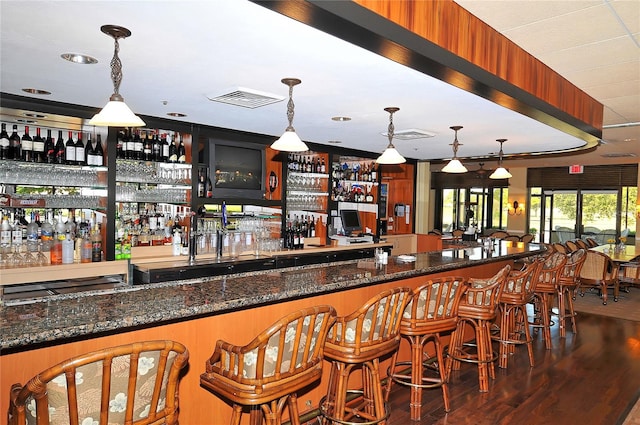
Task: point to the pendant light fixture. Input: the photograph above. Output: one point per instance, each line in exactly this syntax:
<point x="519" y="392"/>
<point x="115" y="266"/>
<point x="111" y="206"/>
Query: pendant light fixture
<point x="116" y="113"/>
<point x="390" y="154"/>
<point x="289" y="141"/>
<point x="455" y="166"/>
<point x="501" y="172"/>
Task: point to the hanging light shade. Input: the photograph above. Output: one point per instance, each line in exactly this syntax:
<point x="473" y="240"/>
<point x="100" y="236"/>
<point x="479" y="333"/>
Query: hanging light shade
<point x="455" y="166"/>
<point x="500" y="172"/>
<point x="289" y="141"/>
<point x="390" y="154"/>
<point x="116" y="113"/>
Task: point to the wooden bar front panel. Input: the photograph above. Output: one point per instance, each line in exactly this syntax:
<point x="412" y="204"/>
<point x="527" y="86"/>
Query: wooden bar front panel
<point x="197" y="405"/>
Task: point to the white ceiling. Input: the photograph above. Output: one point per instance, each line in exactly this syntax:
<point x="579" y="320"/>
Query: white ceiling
<point x="180" y="52"/>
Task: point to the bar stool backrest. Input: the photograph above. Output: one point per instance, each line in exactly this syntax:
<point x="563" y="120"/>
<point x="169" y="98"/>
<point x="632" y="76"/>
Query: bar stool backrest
<point x="438" y="299"/>
<point x="551" y="271"/>
<point x="376" y="322"/>
<point x="134" y="384"/>
<point x="522" y="283"/>
<point x="573" y="266"/>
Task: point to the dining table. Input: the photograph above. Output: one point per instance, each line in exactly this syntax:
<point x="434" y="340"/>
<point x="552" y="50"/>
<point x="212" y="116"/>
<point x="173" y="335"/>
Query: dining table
<point x="624" y="255"/>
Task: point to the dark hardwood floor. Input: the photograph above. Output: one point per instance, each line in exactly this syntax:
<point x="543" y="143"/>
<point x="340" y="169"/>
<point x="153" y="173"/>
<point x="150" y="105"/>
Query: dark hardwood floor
<point x="586" y="379"/>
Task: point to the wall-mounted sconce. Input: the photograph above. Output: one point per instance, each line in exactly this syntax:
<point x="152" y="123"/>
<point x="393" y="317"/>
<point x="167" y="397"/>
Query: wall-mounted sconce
<point x="515" y="209"/>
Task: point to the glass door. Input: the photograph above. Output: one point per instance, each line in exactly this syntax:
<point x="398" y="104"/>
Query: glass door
<point x="564" y="215"/>
<point x="598" y="215"/>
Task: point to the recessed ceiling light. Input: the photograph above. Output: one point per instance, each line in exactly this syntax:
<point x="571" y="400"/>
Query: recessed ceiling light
<point x="341" y="118"/>
<point x="79" y="58"/>
<point x="36" y="91"/>
<point x="176" y="114"/>
<point x="335" y="142"/>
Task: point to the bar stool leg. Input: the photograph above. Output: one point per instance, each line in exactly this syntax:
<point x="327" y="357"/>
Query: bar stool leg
<point x="236" y="415"/>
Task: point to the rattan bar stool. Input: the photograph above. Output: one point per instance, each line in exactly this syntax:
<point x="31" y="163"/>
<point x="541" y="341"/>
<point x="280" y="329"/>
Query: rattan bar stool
<point x="567" y="288"/>
<point x="266" y="373"/>
<point x="432" y="311"/>
<point x="478" y="309"/>
<point x="546" y="288"/>
<point x="128" y="384"/>
<point x="360" y="340"/>
<point x="514" y="323"/>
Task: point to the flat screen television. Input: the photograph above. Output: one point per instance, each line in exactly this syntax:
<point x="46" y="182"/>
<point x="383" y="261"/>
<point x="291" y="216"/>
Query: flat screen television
<point x="350" y="221"/>
<point x="237" y="169"/>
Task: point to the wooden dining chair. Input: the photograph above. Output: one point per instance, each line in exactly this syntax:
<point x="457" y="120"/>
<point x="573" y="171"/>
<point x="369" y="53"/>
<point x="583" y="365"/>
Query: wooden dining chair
<point x="527" y="238"/>
<point x="559" y="247"/>
<point x="629" y="274"/>
<point x="571" y="245"/>
<point x="133" y="384"/>
<point x="266" y="374"/>
<point x="601" y="272"/>
<point x="591" y="242"/>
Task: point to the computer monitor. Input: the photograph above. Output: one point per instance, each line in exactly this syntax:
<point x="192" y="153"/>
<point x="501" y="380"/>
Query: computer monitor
<point x="350" y="221"/>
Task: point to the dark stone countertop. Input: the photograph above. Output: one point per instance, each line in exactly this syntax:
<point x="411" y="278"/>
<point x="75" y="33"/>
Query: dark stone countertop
<point x="87" y="314"/>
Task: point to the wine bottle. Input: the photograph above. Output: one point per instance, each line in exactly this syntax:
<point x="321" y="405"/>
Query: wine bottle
<point x="15" y="149"/>
<point x="27" y="145"/>
<point x="146" y="147"/>
<point x="5" y="144"/>
<point x="127" y="145"/>
<point x="60" y="149"/>
<point x="173" y="152"/>
<point x="98" y="153"/>
<point x="120" y="145"/>
<point x="182" y="152"/>
<point x="96" y="244"/>
<point x="201" y="184"/>
<point x="156" y="155"/>
<point x="38" y="147"/>
<point x="80" y="151"/>
<point x="137" y="145"/>
<point x="164" y="148"/>
<point x="49" y="149"/>
<point x="208" y="193"/>
<point x="90" y="153"/>
<point x="70" y="150"/>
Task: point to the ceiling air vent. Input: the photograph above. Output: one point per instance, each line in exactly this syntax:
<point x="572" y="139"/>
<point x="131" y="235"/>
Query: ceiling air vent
<point x="410" y="134"/>
<point x="619" y="155"/>
<point x="246" y="98"/>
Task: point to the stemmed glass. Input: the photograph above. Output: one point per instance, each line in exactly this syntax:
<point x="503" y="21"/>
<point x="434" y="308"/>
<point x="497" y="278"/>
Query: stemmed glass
<point x="41" y="259"/>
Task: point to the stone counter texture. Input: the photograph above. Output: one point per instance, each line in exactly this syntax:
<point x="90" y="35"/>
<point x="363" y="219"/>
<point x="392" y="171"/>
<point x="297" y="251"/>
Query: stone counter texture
<point x="61" y="317"/>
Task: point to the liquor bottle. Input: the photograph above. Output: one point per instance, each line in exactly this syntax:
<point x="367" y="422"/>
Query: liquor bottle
<point x="5" y="144"/>
<point x="176" y="243"/>
<point x="96" y="244"/>
<point x="80" y="151"/>
<point x="182" y="152"/>
<point x="86" y="248"/>
<point x="27" y="145"/>
<point x="323" y="166"/>
<point x="49" y="149"/>
<point x="98" y="159"/>
<point x="147" y="147"/>
<point x="173" y="152"/>
<point x="5" y="233"/>
<point x="164" y="148"/>
<point x="38" y="147"/>
<point x="15" y="149"/>
<point x="374" y="172"/>
<point x="67" y="249"/>
<point x="70" y="150"/>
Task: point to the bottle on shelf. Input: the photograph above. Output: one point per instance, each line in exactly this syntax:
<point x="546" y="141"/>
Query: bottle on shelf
<point x="312" y="228"/>
<point x="147" y="147"/>
<point x="67" y="248"/>
<point x="127" y="145"/>
<point x="164" y="148"/>
<point x="90" y="152"/>
<point x="49" y="149"/>
<point x="176" y="243"/>
<point x="98" y="158"/>
<point x="201" y="183"/>
<point x="182" y="151"/>
<point x="60" y="150"/>
<point x="96" y="244"/>
<point x="15" y="150"/>
<point x="80" y="151"/>
<point x="33" y="229"/>
<point x="70" y="150"/>
<point x="6" y="232"/>
<point x="5" y="144"/>
<point x="38" y="147"/>
<point x="208" y="191"/>
<point x="173" y="151"/>
<point x="137" y="145"/>
<point x="27" y="145"/>
<point x="120" y="145"/>
<point x="156" y="146"/>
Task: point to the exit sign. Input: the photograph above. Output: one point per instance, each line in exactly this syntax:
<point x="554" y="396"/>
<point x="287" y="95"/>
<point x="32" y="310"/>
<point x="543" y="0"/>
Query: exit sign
<point x="576" y="169"/>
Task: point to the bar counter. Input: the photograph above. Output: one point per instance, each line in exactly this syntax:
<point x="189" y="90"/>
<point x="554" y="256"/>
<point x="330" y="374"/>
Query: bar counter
<point x="197" y="312"/>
